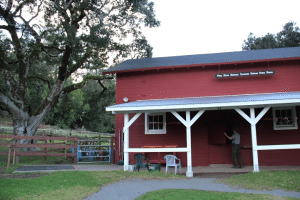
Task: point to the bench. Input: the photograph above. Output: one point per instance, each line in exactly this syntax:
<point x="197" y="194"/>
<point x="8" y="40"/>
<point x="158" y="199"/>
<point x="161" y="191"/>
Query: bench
<point x="159" y="159"/>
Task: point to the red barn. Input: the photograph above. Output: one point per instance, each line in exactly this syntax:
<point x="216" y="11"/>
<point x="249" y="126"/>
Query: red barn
<point x="184" y="104"/>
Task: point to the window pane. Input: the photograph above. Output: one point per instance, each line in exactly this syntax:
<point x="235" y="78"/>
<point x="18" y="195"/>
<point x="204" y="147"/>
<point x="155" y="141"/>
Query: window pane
<point x="290" y="120"/>
<point x="284" y="117"/>
<point x="155" y="124"/>
<point x="277" y="113"/>
<point x="150" y="118"/>
<point x="161" y="126"/>
<point x="161" y="118"/>
<point x="150" y="126"/>
<point x="156" y="118"/>
<point x="289" y="113"/>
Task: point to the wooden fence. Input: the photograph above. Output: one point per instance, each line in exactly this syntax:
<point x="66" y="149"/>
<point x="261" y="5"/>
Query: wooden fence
<point x="54" y="130"/>
<point x="46" y="152"/>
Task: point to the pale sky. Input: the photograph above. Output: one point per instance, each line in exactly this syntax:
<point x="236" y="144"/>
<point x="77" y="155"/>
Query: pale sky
<point x="212" y="26"/>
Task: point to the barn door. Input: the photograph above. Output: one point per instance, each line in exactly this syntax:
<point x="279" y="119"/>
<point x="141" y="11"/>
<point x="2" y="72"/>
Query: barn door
<point x="219" y="146"/>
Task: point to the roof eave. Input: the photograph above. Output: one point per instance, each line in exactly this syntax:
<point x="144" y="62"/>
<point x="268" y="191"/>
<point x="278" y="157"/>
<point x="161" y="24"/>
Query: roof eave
<point x="201" y="65"/>
<point x="213" y="106"/>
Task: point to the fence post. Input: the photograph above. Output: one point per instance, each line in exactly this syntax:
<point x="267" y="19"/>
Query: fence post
<point x="45" y="149"/>
<point x="66" y="143"/>
<point x="8" y="158"/>
<point x="17" y="150"/>
<point x="14" y="156"/>
<point x="111" y="148"/>
<point x="75" y="149"/>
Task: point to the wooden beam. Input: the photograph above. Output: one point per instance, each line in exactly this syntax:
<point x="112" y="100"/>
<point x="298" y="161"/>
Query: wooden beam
<point x="141" y="150"/>
<point x="128" y="124"/>
<point x="179" y="118"/>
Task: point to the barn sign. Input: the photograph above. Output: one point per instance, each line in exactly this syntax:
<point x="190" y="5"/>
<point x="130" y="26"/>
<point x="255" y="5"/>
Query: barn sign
<point x="245" y="74"/>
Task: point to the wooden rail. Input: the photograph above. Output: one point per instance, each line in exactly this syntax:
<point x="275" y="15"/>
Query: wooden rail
<point x="46" y="147"/>
<point x="159" y="158"/>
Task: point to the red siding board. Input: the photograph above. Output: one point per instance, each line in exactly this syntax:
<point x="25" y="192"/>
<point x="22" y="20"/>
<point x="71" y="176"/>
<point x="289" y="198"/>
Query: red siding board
<point x="179" y="83"/>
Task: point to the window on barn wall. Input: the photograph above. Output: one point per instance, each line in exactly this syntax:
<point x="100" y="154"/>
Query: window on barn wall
<point x="284" y="118"/>
<point x="155" y="123"/>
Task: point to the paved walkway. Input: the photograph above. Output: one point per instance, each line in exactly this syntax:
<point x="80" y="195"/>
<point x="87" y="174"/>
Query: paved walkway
<point x="131" y="189"/>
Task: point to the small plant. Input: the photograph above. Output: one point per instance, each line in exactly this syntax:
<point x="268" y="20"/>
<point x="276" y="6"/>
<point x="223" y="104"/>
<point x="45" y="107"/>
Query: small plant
<point x="154" y="167"/>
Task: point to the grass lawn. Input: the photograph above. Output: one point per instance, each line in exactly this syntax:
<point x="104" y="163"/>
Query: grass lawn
<point x="264" y="180"/>
<point x="284" y="180"/>
<point x="79" y="184"/>
<point x="183" y="194"/>
<point x="70" y="184"/>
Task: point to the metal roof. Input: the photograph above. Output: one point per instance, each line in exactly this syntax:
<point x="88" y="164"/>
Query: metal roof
<point x="206" y="59"/>
<point x="216" y="102"/>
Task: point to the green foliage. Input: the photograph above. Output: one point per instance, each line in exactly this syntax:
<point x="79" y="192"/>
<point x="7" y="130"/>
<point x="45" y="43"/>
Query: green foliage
<point x="288" y="37"/>
<point x="68" y="110"/>
<point x="285" y="180"/>
<point x="85" y="108"/>
<point x="97" y="119"/>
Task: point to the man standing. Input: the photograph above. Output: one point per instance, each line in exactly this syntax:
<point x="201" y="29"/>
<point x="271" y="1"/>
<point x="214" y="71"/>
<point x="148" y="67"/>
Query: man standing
<point x="236" y="148"/>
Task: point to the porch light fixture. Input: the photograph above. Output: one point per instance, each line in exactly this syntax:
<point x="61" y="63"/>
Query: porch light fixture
<point x="125" y="99"/>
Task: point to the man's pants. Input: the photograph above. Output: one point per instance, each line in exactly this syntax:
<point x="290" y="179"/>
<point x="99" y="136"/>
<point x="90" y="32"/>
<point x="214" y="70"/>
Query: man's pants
<point x="236" y="153"/>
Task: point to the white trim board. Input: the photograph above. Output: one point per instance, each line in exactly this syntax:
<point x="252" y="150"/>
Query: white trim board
<point x="220" y="106"/>
<point x="184" y="149"/>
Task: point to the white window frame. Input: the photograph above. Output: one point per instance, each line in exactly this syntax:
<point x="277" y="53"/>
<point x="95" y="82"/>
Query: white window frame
<point x="285" y="127"/>
<point x="161" y="131"/>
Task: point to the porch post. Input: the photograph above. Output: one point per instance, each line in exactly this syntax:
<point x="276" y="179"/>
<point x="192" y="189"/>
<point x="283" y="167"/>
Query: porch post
<point x="253" y="121"/>
<point x="189" y="172"/>
<point x="126" y="142"/>
<point x="127" y="124"/>
<point x="188" y="123"/>
<point x="254" y="141"/>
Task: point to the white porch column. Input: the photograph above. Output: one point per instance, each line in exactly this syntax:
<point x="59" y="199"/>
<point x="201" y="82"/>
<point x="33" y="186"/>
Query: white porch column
<point x="126" y="142"/>
<point x="254" y="141"/>
<point x="127" y="124"/>
<point x="253" y="121"/>
<point x="188" y="123"/>
<point x="189" y="172"/>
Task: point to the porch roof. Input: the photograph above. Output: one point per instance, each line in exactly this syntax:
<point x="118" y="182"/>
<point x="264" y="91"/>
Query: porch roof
<point x="209" y="103"/>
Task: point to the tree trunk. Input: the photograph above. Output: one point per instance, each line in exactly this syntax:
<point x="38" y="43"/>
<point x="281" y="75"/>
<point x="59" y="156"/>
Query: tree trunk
<point x="23" y="125"/>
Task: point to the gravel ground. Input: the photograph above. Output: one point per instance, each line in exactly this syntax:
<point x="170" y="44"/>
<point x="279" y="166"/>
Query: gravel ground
<point x="131" y="189"/>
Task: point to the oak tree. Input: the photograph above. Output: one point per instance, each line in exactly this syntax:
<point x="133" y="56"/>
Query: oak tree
<point x="52" y="41"/>
<point x="288" y="37"/>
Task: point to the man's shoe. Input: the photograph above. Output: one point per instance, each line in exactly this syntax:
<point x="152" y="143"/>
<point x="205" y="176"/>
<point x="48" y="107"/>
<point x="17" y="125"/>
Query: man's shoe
<point x="241" y="166"/>
<point x="235" y="167"/>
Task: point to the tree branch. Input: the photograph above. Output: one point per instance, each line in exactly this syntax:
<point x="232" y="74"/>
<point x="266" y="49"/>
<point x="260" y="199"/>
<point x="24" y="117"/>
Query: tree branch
<point x="79" y="63"/>
<point x="51" y="99"/>
<point x="8" y="28"/>
<point x="73" y="87"/>
<point x="6" y="72"/>
<point x="103" y="87"/>
<point x="64" y="63"/>
<point x="8" y="104"/>
<point x="9" y="4"/>
<point x="23" y="67"/>
<point x="40" y="78"/>
<point x="20" y="6"/>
